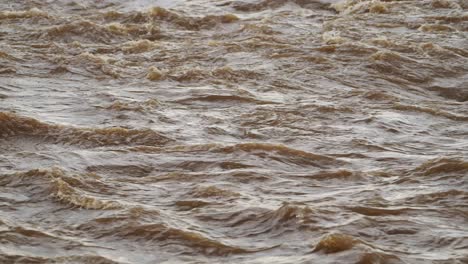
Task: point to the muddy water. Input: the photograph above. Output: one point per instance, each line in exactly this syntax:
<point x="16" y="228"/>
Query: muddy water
<point x="211" y="131"/>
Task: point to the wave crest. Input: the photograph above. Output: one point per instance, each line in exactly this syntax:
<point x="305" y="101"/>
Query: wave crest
<point x="76" y="191"/>
<point x="12" y="125"/>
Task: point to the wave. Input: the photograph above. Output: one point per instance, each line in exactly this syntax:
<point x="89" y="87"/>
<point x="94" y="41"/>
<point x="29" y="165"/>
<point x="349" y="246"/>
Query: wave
<point x="276" y="152"/>
<point x="225" y="99"/>
<point x="287" y="214"/>
<point x="251" y="222"/>
<point x="134" y="106"/>
<point x="436" y="28"/>
<point x="191" y="204"/>
<point x="336" y="242"/>
<point x="445" y="4"/>
<point x="192" y="23"/>
<point x="361" y="6"/>
<point x="168" y="235"/>
<point x="403" y="70"/>
<point x="437" y="169"/>
<point x="82" y="30"/>
<point x="4" y="55"/>
<point x="455" y="18"/>
<point x="139" y="46"/>
<point x="82" y="191"/>
<point x="274" y="4"/>
<point x="379" y="257"/>
<point x="437" y="51"/>
<point x="373" y="211"/>
<point x="184" y="74"/>
<point x="212" y="191"/>
<point x="442" y="166"/>
<point x="31" y="13"/>
<point x="146" y="31"/>
<point x="455" y="93"/>
<point x="360" y="251"/>
<point x="453" y="198"/>
<point x="86" y="31"/>
<point x="342" y="175"/>
<point x="145" y="227"/>
<point x="430" y="111"/>
<point x="27" y="259"/>
<point x="12" y="125"/>
<point x="29" y="237"/>
<point x="290" y="154"/>
<point x="118" y="170"/>
<point x="154" y="74"/>
<point x="179" y="20"/>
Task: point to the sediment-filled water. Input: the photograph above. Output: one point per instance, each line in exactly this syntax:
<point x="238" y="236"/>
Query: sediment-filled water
<point x="262" y="131"/>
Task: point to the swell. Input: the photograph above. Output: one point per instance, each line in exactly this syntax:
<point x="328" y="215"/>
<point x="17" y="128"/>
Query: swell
<point x="14" y="126"/>
<point x="82" y="191"/>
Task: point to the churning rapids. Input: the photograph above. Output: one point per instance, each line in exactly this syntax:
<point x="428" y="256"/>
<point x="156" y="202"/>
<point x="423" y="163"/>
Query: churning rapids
<point x="250" y="131"/>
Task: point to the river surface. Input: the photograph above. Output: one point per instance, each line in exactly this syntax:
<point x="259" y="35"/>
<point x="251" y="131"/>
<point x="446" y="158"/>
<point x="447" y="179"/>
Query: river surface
<point x="261" y="131"/>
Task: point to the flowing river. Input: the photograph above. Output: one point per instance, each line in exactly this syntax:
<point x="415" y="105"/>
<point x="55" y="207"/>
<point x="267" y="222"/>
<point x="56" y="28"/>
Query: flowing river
<point x="250" y="131"/>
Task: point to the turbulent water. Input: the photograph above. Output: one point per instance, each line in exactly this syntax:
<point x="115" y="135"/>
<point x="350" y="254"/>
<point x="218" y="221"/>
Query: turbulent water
<point x="215" y="131"/>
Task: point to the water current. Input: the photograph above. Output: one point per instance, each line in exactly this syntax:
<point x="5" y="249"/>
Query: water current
<point x="216" y="131"/>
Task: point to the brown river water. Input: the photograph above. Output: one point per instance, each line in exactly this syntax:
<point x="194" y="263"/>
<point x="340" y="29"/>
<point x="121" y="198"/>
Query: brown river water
<point x="250" y="131"/>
